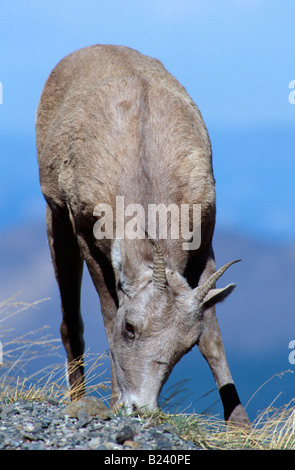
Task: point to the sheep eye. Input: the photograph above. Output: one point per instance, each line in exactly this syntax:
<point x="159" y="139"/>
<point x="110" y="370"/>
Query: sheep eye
<point x="129" y="328"/>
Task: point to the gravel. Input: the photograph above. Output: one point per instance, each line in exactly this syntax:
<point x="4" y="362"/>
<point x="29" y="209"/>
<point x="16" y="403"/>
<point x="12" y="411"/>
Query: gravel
<point x="46" y="426"/>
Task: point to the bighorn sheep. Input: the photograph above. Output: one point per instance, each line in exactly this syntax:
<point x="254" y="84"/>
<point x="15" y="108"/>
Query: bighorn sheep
<point x="112" y="122"/>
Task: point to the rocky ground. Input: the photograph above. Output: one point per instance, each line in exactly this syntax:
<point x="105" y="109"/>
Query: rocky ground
<point x="84" y="426"/>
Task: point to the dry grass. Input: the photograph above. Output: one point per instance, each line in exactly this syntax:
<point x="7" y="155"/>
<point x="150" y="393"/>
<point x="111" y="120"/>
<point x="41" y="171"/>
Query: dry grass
<point x="52" y="383"/>
<point x="273" y="429"/>
<point x="19" y="352"/>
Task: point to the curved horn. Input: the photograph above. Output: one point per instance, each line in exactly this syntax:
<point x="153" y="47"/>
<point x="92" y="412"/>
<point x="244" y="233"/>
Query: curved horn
<point x="204" y="289"/>
<point x="159" y="272"/>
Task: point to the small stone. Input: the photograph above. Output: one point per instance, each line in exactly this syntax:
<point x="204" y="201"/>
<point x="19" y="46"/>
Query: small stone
<point x="112" y="446"/>
<point x="29" y="427"/>
<point x="94" y="443"/>
<point x="13" y="411"/>
<point x="91" y="405"/>
<point x="84" y="418"/>
<point x="168" y="428"/>
<point x="131" y="445"/>
<point x="52" y="401"/>
<point x="45" y="423"/>
<point x="35" y="446"/>
<point x="126" y="434"/>
<point x="30" y="436"/>
<point x="28" y="407"/>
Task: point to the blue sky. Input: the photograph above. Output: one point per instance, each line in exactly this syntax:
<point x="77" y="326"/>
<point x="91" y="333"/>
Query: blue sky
<point x="236" y="59"/>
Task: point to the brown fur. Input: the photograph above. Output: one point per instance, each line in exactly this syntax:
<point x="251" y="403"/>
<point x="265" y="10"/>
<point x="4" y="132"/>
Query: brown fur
<point x="114" y="122"/>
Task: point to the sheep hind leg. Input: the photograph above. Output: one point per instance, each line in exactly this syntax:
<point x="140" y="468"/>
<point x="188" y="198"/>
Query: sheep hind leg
<point x="68" y="266"/>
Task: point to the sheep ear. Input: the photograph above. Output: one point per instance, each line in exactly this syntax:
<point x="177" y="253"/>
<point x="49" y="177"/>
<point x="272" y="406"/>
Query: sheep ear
<point x="217" y="295"/>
